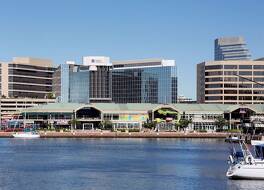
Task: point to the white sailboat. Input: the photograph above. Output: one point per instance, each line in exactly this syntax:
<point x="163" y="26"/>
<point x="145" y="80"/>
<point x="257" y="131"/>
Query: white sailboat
<point x="245" y="165"/>
<point x="27" y="133"/>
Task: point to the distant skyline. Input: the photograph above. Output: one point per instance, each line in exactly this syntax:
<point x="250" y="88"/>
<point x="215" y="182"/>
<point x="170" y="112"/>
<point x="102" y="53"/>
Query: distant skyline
<point x="121" y="29"/>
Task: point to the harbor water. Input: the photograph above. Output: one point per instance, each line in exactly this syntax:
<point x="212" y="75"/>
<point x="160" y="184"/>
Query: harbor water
<point x="116" y="164"/>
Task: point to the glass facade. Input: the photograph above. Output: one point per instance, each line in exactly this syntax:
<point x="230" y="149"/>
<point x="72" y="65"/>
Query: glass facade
<point x="145" y="85"/>
<point x="65" y="74"/>
<point x="231" y="48"/>
<point x="79" y="87"/>
<point x="79" y="84"/>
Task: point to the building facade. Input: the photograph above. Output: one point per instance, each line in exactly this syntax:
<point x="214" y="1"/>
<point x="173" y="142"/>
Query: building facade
<point x="134" y="115"/>
<point x="26" y="77"/>
<point x="144" y="81"/>
<point x="231" y="48"/>
<point x="230" y="82"/>
<point x="89" y="82"/>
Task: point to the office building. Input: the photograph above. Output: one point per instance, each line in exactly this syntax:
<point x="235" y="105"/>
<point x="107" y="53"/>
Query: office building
<point x="26" y="77"/>
<point x="144" y="81"/>
<point x="231" y="48"/>
<point x="230" y="82"/>
<point x="84" y="83"/>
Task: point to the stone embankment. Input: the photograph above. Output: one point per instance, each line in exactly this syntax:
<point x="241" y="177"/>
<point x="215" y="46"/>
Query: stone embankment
<point x="104" y="134"/>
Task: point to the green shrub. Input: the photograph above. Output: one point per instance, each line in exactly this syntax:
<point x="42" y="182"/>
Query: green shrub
<point x="133" y="130"/>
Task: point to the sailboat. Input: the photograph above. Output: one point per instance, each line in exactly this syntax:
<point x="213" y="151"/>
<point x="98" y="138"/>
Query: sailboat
<point x="27" y="132"/>
<point x="244" y="165"/>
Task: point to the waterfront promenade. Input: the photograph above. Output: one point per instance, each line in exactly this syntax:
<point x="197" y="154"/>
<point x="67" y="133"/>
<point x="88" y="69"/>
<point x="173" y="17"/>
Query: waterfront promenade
<point x="106" y="134"/>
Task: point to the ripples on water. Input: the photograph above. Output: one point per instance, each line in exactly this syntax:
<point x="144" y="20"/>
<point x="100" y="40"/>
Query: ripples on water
<point x="103" y="164"/>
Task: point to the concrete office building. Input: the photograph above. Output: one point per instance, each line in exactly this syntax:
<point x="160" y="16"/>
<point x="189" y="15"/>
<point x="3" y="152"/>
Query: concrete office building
<point x="231" y="48"/>
<point x="26" y="77"/>
<point x="229" y="82"/>
<point x="88" y="82"/>
<point x="144" y="81"/>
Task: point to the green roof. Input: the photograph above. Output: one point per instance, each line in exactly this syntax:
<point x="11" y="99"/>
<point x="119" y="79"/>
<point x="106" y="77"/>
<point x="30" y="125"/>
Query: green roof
<point x="55" y="107"/>
<point x="142" y="107"/>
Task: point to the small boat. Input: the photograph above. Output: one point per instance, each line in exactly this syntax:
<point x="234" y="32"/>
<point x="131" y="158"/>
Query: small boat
<point x="244" y="164"/>
<point x="27" y="133"/>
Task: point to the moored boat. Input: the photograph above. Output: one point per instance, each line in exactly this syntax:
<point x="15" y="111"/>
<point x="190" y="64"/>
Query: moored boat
<point x="26" y="135"/>
<point x="247" y="165"/>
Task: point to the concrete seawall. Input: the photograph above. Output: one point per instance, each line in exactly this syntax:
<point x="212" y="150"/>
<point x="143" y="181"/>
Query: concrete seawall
<point x="122" y="135"/>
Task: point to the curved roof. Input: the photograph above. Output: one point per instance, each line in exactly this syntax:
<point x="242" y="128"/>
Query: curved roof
<point x="142" y="107"/>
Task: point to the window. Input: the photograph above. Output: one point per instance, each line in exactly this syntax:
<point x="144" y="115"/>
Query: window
<point x="245" y="92"/>
<point x="245" y="66"/>
<point x="230" y="78"/>
<point x="213" y="67"/>
<point x="230" y="91"/>
<point x="230" y="73"/>
<point x="213" y="92"/>
<point x="245" y="97"/>
<point x="213" y="98"/>
<point x="214" y="73"/>
<point x="258" y="66"/>
<point x="245" y="73"/>
<point x="213" y="86"/>
<point x="230" y="85"/>
<point x="230" y="98"/>
<point x="213" y="79"/>
<point x="230" y="66"/>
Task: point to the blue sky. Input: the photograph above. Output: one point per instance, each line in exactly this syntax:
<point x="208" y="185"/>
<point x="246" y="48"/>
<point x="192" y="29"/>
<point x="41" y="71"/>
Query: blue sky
<point x="129" y="29"/>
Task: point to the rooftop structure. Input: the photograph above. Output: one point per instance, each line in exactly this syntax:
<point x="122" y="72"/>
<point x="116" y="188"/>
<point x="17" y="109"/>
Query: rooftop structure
<point x="231" y="48"/>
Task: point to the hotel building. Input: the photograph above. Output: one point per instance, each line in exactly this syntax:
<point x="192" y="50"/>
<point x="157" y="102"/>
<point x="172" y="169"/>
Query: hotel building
<point x="85" y="83"/>
<point x="99" y="80"/>
<point x="144" y="81"/>
<point x="230" y="82"/>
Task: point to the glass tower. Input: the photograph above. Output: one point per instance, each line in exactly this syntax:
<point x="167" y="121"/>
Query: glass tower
<point x="83" y="83"/>
<point x="144" y="82"/>
<point x="231" y="48"/>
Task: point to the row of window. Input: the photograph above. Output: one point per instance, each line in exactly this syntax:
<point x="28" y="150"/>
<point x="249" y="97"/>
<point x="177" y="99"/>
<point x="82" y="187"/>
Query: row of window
<point x="214" y="67"/>
<point x="234" y="85"/>
<point x="234" y="98"/>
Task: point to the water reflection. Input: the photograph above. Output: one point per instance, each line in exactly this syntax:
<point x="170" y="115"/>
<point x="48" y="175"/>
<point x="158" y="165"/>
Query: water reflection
<point x="116" y="164"/>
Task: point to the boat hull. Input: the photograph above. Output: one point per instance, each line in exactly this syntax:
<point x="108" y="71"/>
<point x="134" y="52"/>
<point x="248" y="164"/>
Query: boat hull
<point x="25" y="135"/>
<point x="246" y="172"/>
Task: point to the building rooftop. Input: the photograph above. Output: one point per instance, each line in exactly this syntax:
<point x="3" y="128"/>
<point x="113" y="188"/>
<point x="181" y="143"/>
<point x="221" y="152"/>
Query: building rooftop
<point x="143" y="107"/>
<point x="32" y="61"/>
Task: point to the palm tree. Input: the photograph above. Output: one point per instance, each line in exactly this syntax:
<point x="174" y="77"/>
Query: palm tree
<point x="220" y="122"/>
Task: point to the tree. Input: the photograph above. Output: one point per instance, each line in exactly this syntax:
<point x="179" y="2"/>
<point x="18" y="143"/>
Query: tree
<point x="106" y="124"/>
<point x="220" y="122"/>
<point x="50" y="95"/>
<point x="149" y="125"/>
<point x="183" y="123"/>
<point x="74" y="122"/>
